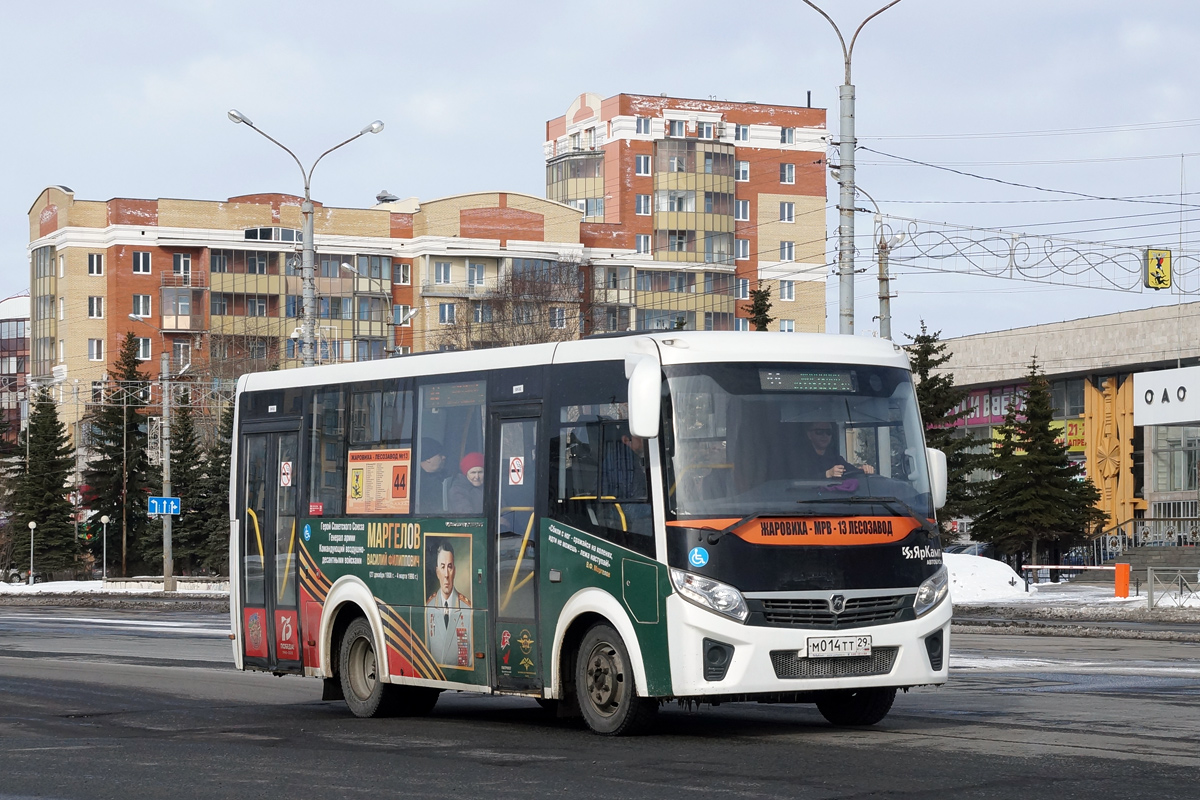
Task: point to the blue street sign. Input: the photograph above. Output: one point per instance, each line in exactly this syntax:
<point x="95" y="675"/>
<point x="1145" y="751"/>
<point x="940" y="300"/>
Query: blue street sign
<point x="164" y="505"/>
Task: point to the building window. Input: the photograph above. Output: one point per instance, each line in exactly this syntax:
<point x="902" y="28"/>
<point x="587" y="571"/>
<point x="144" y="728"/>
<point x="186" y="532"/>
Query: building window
<point x="677" y="241"/>
<point x="441" y="272"/>
<point x="787" y="251"/>
<point x="482" y="312"/>
<point x="787" y="173"/>
<point x="787" y="212"/>
<point x="741" y="324"/>
<point x="475" y="274"/>
<point x="787" y="326"/>
<point x="522" y="314"/>
<point x="643" y="124"/>
<point x="641" y="165"/>
<point x="446" y="313"/>
<point x="787" y="290"/>
<point x="62" y="307"/>
<point x="558" y="317"/>
<point x="95" y="349"/>
<point x="256" y="306"/>
<point x="143" y="348"/>
<point x="181" y="355"/>
<point x="704" y="130"/>
<point x="218" y="305"/>
<point x="95" y="263"/>
<point x="256" y="264"/>
<point x="218" y="261"/>
<point x="643" y="243"/>
<point x="787" y="135"/>
<point x="676" y="127"/>
<point x="402" y="273"/>
<point x="743" y="289"/>
<point x="400" y="315"/>
<point x="741" y="133"/>
<point x="642" y="205"/>
<point x="141" y="262"/>
<point x="258" y="348"/>
<point x="141" y="305"/>
<point x="741" y="211"/>
<point x="95" y="308"/>
<point x="62" y="351"/>
<point x="743" y="171"/>
<point x="594" y="207"/>
<point x="741" y="249"/>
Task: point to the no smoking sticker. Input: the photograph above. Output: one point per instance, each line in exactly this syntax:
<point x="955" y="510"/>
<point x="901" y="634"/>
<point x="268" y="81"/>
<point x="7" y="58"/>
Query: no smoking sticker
<point x="285" y="473"/>
<point x="516" y="471"/>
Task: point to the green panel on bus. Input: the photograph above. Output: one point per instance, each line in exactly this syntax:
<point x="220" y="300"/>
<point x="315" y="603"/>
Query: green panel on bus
<point x="639" y="584"/>
<point x="426" y="576"/>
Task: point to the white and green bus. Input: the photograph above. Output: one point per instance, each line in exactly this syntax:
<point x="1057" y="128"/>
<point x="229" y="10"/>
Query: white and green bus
<point x="600" y="525"/>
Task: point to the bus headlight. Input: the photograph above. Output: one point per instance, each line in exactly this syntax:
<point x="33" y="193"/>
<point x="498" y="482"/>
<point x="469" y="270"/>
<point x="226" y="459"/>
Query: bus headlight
<point x="932" y="591"/>
<point x="710" y="594"/>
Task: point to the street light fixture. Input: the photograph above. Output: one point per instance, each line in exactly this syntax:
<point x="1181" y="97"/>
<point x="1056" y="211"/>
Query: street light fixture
<point x="309" y="254"/>
<point x="846" y="177"/>
<point x="32" y="528"/>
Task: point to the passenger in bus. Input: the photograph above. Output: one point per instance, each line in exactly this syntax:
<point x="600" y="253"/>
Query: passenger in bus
<point x="624" y="476"/>
<point x="448" y="614"/>
<point x="823" y="460"/>
<point x="466" y="488"/>
<point x="432" y="477"/>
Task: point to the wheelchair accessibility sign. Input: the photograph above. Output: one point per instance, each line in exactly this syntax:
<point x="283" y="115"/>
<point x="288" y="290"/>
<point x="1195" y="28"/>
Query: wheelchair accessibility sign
<point x="698" y="557"/>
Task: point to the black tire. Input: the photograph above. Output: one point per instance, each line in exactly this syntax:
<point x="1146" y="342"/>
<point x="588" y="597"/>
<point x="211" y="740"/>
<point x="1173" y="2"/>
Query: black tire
<point x="605" y="686"/>
<point x="358" y="669"/>
<point x="856" y="706"/>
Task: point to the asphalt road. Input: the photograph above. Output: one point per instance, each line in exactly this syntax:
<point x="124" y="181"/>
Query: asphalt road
<point x="107" y="704"/>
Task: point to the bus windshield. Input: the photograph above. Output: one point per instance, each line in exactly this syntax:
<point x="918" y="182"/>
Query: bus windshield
<point x="797" y="439"/>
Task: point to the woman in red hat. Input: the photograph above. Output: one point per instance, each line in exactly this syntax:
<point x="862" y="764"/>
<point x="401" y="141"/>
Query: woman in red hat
<point x="466" y="490"/>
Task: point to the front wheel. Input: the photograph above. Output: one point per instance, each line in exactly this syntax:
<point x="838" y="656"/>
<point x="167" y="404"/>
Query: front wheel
<point x="605" y="686"/>
<point x="856" y="706"/>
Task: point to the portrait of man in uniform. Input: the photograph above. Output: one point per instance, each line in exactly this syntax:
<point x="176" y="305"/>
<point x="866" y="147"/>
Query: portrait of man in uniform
<point x="448" y="611"/>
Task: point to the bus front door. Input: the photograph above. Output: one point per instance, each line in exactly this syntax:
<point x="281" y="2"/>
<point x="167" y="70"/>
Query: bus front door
<point x="270" y="611"/>
<point x="515" y="531"/>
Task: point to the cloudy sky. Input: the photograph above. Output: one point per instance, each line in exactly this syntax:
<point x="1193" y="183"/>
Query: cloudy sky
<point x="130" y="101"/>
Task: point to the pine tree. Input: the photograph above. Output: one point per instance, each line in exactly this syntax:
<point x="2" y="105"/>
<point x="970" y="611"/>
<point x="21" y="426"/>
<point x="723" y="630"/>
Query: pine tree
<point x="938" y="397"/>
<point x="40" y="493"/>
<point x="760" y="308"/>
<point x="187" y="477"/>
<point x="119" y="478"/>
<point x="1039" y="496"/>
<point x="213" y="499"/>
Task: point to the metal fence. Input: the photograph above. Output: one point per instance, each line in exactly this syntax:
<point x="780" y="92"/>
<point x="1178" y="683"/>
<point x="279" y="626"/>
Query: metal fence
<point x="1171" y="587"/>
<point x="1172" y="532"/>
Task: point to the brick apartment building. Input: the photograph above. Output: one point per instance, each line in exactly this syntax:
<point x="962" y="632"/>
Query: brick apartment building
<point x="14" y="359"/>
<point x="660" y="211"/>
<point x="716" y="198"/>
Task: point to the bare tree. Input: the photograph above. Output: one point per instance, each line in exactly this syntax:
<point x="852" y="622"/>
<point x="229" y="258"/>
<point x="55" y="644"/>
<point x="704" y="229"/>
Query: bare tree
<point x="533" y="302"/>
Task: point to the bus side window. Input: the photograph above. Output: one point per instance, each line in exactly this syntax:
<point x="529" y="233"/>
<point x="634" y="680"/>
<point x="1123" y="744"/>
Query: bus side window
<point x="327" y="464"/>
<point x="450" y="426"/>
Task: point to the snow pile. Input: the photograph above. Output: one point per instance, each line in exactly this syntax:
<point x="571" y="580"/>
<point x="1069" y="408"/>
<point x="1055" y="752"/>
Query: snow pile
<point x="975" y="579"/>
<point x="95" y="587"/>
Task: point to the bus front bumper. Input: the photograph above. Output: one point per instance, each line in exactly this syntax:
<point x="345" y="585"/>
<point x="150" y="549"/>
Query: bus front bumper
<point x="773" y="660"/>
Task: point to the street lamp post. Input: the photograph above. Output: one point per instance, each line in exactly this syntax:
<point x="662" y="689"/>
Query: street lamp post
<point x="846" y="177"/>
<point x="32" y="528"/>
<point x="104" y="562"/>
<point x="309" y="253"/>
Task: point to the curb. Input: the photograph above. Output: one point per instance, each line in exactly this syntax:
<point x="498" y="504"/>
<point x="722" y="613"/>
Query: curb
<point x="162" y="601"/>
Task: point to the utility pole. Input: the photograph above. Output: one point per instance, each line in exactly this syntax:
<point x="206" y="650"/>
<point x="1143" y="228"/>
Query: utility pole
<point x="168" y="576"/>
<point x="847" y="144"/>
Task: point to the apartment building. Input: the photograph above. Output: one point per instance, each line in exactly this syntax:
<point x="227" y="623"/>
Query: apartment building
<point x="712" y="198"/>
<point x="14" y="359"/>
<point x="217" y="284"/>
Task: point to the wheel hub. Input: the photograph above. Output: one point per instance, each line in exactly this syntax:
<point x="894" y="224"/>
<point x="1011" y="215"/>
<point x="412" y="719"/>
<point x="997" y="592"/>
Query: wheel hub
<point x="604" y="679"/>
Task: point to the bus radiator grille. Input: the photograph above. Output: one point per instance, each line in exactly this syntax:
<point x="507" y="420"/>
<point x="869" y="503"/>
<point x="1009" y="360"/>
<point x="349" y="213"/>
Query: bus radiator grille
<point x="813" y="613"/>
<point x="788" y="664"/>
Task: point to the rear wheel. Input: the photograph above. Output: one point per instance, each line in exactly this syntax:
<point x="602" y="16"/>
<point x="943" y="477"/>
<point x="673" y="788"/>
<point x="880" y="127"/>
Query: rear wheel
<point x="856" y="706"/>
<point x="604" y="683"/>
<point x="359" y="670"/>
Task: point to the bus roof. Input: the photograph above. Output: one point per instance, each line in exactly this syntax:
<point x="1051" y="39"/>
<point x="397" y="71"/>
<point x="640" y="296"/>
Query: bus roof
<point x="674" y="347"/>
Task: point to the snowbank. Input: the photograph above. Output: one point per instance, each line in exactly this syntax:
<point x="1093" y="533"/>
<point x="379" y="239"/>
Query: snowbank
<point x="975" y="579"/>
<point x="131" y="586"/>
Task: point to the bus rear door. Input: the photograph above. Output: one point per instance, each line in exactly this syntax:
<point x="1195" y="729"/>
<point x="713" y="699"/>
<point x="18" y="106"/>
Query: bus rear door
<point x="270" y="613"/>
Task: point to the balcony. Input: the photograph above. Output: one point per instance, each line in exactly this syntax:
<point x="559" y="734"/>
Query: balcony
<point x="189" y="279"/>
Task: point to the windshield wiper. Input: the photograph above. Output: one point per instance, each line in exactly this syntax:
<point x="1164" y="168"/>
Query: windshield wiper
<point x="892" y="504"/>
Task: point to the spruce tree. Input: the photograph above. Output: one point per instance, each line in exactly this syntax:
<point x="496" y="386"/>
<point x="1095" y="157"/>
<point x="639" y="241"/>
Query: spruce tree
<point x="187" y="477"/>
<point x="759" y="308"/>
<point x="40" y="493"/>
<point x="213" y="499"/>
<point x="1039" y="497"/>
<point x="938" y="397"/>
<point x="119" y="477"/>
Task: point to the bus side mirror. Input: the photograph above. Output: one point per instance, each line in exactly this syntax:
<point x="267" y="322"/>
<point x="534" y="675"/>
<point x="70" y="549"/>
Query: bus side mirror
<point x="937" y="475"/>
<point x="645" y="398"/>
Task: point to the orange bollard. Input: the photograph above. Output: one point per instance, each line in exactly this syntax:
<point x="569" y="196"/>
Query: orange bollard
<point x="1122" y="582"/>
